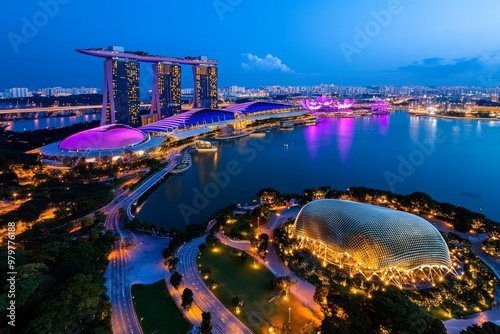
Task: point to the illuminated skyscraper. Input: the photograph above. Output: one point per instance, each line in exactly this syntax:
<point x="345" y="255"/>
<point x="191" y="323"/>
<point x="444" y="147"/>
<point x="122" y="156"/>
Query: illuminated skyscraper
<point x="120" y="100"/>
<point x="169" y="89"/>
<point x="121" y="89"/>
<point x="205" y="84"/>
<point x="126" y="91"/>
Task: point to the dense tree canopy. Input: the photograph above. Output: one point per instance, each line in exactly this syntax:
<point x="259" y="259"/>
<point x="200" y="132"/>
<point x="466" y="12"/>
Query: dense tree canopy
<point x="60" y="283"/>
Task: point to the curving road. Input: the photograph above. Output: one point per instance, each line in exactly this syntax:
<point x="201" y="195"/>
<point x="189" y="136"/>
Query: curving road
<point x="123" y="317"/>
<point x="222" y="319"/>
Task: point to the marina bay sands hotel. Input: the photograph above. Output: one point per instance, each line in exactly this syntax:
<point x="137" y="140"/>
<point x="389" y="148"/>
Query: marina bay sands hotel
<point x="121" y="102"/>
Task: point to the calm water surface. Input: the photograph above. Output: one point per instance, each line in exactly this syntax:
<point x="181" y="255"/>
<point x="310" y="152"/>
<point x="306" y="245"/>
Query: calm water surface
<point x="455" y="161"/>
<point x="42" y="123"/>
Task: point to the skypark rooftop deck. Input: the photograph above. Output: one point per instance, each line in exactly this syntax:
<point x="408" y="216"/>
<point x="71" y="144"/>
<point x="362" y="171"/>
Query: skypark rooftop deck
<point x="144" y="57"/>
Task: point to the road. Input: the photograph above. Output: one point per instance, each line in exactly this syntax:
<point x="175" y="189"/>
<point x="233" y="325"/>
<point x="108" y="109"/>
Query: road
<point x="222" y="319"/>
<point x="124" y="319"/>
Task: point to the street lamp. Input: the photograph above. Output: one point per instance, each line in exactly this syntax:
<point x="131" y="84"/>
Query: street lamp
<point x="15" y="196"/>
<point x="290" y="315"/>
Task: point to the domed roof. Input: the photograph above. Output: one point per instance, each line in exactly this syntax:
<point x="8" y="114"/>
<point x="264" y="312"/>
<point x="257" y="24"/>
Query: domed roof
<point x="375" y="237"/>
<point x="105" y="137"/>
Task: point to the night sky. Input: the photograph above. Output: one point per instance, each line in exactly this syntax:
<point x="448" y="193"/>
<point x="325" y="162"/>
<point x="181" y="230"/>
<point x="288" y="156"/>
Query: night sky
<point x="259" y="42"/>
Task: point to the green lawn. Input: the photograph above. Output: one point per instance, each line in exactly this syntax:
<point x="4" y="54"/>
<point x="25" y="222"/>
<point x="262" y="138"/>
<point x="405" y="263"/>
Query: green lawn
<point x="252" y="285"/>
<point x="157" y="310"/>
<point x="240" y="228"/>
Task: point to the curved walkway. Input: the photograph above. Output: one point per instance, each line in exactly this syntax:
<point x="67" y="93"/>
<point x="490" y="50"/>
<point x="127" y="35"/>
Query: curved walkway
<point x="303" y="290"/>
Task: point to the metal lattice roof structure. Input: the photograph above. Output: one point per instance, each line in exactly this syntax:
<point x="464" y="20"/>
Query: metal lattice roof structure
<point x="216" y="117"/>
<point x="375" y="238"/>
<point x="195" y="117"/>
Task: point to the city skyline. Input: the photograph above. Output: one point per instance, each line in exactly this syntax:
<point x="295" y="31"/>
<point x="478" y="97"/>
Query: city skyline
<point x="384" y="42"/>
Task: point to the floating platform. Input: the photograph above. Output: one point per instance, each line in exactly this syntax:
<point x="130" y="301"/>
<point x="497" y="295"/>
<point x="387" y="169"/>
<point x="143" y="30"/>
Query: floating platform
<point x="206" y="145"/>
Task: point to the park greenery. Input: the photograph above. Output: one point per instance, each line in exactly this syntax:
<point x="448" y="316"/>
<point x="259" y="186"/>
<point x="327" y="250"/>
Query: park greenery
<point x="487" y="327"/>
<point x="175" y="279"/>
<point x="206" y="323"/>
<point x="386" y="311"/>
<point x="34" y="191"/>
<point x="251" y="292"/>
<point x="462" y="219"/>
<point x="260" y="244"/>
<point x="491" y="246"/>
<point x="60" y="283"/>
<point x="187" y="298"/>
<point x="151" y="303"/>
<point x="143" y="226"/>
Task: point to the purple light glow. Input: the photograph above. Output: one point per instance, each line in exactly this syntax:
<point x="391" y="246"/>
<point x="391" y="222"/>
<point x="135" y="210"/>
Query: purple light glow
<point x="103" y="138"/>
<point x="345" y="136"/>
<point x="321" y="102"/>
<point x="326" y="104"/>
<point x="384" y="124"/>
<point x="380" y="107"/>
<point x="341" y="106"/>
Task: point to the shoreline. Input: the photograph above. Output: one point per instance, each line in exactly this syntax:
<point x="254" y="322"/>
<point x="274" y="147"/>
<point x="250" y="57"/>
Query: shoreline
<point x="454" y="117"/>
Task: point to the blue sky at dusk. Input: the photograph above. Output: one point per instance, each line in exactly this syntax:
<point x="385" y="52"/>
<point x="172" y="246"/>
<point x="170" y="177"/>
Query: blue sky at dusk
<point x="259" y="42"/>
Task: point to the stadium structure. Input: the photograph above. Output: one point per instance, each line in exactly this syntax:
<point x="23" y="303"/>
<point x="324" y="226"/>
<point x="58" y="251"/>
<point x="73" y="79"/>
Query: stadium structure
<point x="396" y="247"/>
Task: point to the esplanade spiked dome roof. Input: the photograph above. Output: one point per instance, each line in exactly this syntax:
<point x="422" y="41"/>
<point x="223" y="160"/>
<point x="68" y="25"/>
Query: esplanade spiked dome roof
<point x="375" y="237"/>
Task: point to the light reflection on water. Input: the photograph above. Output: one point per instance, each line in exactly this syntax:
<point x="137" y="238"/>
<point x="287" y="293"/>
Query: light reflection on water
<point x="43" y="123"/>
<point x="342" y="153"/>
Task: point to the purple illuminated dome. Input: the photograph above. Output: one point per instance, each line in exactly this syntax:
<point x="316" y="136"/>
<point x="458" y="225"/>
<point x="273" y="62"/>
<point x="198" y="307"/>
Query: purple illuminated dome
<point x="107" y="137"/>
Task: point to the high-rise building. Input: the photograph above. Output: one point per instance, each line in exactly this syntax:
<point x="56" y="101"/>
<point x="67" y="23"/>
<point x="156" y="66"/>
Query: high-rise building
<point x="125" y="91"/>
<point x="19" y="92"/>
<point x="205" y="83"/>
<point x="169" y="89"/>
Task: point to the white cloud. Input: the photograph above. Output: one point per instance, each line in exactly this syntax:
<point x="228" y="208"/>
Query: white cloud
<point x="269" y="63"/>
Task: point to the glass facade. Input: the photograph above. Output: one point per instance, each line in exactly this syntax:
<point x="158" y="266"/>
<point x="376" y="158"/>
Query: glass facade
<point x="169" y="89"/>
<point x="205" y="78"/>
<point x="126" y="91"/>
